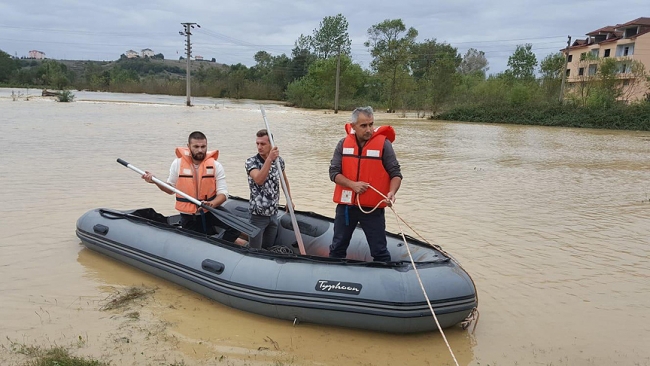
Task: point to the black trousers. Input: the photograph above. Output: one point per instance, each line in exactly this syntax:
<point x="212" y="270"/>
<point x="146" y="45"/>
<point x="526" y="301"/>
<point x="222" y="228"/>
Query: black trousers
<point x="373" y="225"/>
<point x="195" y="223"/>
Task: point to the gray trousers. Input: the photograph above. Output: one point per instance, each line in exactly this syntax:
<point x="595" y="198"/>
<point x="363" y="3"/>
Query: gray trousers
<point x="268" y="232"/>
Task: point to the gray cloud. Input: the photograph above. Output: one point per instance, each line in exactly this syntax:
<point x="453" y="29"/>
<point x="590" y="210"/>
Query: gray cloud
<point x="232" y="32"/>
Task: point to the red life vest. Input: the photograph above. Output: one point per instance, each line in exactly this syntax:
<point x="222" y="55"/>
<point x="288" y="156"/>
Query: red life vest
<point x="204" y="188"/>
<point x="364" y="165"/>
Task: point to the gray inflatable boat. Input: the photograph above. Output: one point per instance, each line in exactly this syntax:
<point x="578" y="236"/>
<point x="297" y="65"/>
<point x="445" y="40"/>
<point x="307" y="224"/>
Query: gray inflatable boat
<point x="354" y="292"/>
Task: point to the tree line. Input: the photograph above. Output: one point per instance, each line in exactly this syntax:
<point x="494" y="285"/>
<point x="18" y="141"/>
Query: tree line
<point x="429" y="77"/>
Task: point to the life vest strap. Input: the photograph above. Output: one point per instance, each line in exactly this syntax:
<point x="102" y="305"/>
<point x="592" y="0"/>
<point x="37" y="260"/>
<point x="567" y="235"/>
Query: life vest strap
<point x="183" y="199"/>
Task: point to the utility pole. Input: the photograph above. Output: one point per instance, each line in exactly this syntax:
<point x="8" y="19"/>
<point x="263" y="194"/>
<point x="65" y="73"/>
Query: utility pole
<point x="338" y="74"/>
<point x="566" y="63"/>
<point x="188" y="49"/>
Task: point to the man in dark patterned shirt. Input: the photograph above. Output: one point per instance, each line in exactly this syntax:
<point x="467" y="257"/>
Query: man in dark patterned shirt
<point x="264" y="183"/>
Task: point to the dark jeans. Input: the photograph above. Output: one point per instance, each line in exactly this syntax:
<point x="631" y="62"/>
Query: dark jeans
<point x="195" y="223"/>
<point x="268" y="232"/>
<point x="373" y="225"/>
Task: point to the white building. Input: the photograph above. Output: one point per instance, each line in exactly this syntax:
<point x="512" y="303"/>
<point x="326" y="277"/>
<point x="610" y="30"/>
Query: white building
<point x="147" y="52"/>
<point x="131" y="54"/>
<point x="36" y="54"/>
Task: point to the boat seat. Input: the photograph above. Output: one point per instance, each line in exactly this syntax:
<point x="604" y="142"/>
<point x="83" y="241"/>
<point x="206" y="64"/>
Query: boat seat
<point x="307" y="225"/>
<point x="150" y="214"/>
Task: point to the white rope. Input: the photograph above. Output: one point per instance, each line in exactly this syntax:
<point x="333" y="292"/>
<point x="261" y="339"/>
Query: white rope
<point x="474" y="314"/>
<point x="417" y="273"/>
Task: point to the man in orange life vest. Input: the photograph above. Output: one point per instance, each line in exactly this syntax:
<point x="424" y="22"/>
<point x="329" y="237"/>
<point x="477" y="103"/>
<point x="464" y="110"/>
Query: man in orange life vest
<point x="363" y="158"/>
<point x="197" y="173"/>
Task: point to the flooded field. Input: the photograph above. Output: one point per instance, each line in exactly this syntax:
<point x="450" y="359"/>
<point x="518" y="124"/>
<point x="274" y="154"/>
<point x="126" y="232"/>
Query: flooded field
<point x="553" y="224"/>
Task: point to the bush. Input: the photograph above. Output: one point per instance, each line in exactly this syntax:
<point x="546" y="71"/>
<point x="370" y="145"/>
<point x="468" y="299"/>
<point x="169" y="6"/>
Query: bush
<point x="617" y="116"/>
<point x="65" y="96"/>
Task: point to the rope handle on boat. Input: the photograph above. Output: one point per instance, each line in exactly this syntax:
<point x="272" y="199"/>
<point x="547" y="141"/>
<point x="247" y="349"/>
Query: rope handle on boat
<point x="473" y="314"/>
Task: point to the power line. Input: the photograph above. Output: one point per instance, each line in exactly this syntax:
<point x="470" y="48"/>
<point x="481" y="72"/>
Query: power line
<point x="77" y="32"/>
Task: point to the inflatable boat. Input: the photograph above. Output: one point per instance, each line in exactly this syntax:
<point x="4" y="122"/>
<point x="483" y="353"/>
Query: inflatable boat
<point x="353" y="292"/>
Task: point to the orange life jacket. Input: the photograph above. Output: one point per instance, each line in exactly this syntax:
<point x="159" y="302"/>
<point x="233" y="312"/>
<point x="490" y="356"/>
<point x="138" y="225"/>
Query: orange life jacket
<point x="366" y="166"/>
<point x="204" y="188"/>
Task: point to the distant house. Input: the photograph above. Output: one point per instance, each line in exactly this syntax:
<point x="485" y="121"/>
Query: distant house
<point x="147" y="52"/>
<point x="36" y="54"/>
<point x="131" y="54"/>
<point x="625" y="43"/>
<point x="198" y="58"/>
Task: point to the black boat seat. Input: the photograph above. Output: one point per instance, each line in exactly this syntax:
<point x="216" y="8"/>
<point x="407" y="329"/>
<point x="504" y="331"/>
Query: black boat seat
<point x="307" y="225"/>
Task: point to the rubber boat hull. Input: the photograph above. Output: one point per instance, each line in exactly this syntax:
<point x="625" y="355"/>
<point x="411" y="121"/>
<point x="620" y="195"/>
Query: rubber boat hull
<point x="354" y="292"/>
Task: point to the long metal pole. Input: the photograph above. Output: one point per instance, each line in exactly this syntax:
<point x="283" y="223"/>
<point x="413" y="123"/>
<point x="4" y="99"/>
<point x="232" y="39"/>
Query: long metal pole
<point x="226" y="217"/>
<point x="294" y="222"/>
<point x="338" y="76"/>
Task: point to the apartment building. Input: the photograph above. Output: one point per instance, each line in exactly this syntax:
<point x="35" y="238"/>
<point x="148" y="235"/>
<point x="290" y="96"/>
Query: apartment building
<point x="38" y="55"/>
<point x="626" y="43"/>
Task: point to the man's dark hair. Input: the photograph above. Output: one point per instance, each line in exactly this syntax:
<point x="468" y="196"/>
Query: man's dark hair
<point x="262" y="133"/>
<point x="196" y="135"/>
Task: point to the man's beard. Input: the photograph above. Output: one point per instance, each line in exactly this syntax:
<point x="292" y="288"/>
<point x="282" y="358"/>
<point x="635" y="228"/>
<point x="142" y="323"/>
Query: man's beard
<point x="198" y="156"/>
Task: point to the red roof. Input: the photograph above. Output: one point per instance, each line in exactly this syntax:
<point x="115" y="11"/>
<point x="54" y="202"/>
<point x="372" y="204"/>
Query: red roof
<point x="607" y="29"/>
<point x="637" y="21"/>
<point x="615" y="30"/>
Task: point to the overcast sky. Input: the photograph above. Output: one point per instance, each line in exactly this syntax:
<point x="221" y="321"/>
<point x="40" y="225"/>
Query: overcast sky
<point x="233" y="31"/>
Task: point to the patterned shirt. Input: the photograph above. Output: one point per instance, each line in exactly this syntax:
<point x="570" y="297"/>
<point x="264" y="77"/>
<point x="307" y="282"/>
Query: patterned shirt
<point x="265" y="198"/>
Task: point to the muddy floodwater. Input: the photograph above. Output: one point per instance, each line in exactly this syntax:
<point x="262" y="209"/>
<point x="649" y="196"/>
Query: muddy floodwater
<point x="553" y="225"/>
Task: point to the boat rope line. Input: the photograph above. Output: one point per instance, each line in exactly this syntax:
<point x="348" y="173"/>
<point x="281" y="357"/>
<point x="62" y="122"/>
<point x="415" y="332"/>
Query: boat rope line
<point x="417" y="273"/>
<point x="474" y="314"/>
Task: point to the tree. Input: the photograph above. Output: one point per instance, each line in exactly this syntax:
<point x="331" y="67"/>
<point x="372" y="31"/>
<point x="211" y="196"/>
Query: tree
<point x="581" y="89"/>
<point x="7" y="66"/>
<point x="54" y="74"/>
<point x="331" y="36"/>
<point x="301" y="57"/>
<point x="474" y="61"/>
<point x="315" y="90"/>
<point x="263" y="59"/>
<point x="618" y="79"/>
<point x="552" y="66"/>
<point x="389" y="44"/>
<point x="522" y="63"/>
<point x="434" y="68"/>
<point x="551" y="69"/>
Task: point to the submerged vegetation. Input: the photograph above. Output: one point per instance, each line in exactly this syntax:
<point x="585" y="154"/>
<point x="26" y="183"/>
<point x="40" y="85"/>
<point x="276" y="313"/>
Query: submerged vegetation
<point x="65" y="96"/>
<point x="54" y="356"/>
<point x="59" y="356"/>
<point x="121" y="299"/>
<point x="429" y="77"/>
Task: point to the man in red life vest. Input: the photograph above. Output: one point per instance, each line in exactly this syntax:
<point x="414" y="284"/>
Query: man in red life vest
<point x="363" y="158"/>
<point x="197" y="173"/>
